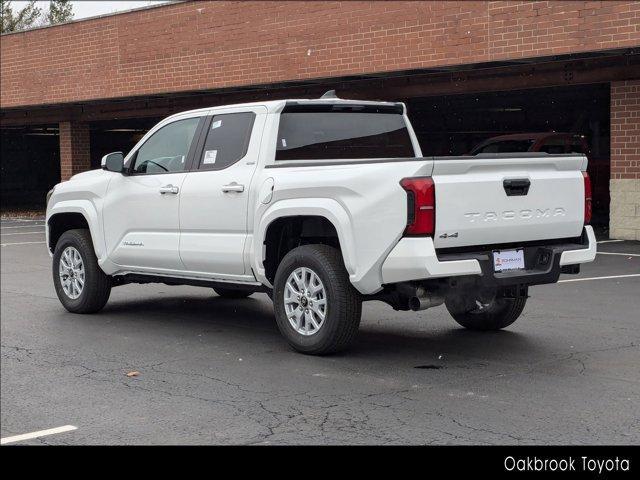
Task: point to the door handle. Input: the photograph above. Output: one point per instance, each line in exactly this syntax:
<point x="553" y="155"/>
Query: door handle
<point x="233" y="187"/>
<point x="169" y="189"/>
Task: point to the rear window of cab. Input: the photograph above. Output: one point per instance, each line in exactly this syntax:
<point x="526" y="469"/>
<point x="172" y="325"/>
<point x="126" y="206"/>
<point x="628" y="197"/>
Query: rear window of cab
<point x="335" y="131"/>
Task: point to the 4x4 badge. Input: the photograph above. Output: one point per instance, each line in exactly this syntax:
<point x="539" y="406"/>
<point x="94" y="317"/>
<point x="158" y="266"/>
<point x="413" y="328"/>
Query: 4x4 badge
<point x="446" y="235"/>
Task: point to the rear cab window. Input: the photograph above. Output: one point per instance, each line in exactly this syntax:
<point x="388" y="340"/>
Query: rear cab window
<point x="342" y="131"/>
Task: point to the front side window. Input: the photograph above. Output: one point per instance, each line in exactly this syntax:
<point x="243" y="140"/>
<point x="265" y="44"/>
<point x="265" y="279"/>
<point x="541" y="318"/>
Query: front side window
<point x="227" y="140"/>
<point x="338" y="133"/>
<point x="166" y="150"/>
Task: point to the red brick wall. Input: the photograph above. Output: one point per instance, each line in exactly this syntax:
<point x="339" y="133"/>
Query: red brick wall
<point x="74" y="149"/>
<point x="625" y="130"/>
<point x="207" y="45"/>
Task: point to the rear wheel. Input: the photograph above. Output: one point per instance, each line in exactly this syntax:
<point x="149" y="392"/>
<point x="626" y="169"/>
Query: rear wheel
<point x="317" y="309"/>
<point x="232" y="292"/>
<point x="80" y="283"/>
<point x="485" y="310"/>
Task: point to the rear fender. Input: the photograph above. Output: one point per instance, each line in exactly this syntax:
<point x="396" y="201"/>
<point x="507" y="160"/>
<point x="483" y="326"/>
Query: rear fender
<point x="319" y="207"/>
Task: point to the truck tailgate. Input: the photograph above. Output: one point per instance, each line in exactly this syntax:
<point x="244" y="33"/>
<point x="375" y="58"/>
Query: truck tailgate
<point x="484" y="200"/>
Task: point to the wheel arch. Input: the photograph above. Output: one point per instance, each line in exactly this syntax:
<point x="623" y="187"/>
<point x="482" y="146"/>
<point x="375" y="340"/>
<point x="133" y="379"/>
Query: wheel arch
<point x="327" y="214"/>
<point x="62" y="218"/>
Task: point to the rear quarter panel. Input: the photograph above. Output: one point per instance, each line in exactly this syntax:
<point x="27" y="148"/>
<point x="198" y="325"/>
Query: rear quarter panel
<point x="364" y="201"/>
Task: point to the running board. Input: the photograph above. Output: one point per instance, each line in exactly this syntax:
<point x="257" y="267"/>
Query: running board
<point x="126" y="278"/>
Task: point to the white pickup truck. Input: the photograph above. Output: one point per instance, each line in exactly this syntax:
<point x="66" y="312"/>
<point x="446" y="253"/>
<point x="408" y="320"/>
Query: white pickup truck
<point x="322" y="204"/>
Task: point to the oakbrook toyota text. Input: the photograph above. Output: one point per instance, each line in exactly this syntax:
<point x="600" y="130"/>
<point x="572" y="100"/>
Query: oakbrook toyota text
<point x="569" y="464"/>
<point x="322" y="204"/>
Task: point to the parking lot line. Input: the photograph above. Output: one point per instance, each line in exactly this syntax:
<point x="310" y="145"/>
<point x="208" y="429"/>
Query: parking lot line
<point x="24" y="220"/>
<point x="22" y="226"/>
<point x="39" y="433"/>
<point x="599" y="278"/>
<point x="18" y="243"/>
<point x="618" y="253"/>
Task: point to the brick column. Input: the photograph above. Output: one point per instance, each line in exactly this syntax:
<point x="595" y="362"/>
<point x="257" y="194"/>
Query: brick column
<point x="74" y="149"/>
<point x="624" y="216"/>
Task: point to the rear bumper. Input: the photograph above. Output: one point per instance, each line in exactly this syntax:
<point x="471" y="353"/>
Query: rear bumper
<point x="585" y="254"/>
<point x="417" y="259"/>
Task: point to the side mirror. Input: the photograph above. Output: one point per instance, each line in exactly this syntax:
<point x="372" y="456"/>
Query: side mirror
<point x="113" y="162"/>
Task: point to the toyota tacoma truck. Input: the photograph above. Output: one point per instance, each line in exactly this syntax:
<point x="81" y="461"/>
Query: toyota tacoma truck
<point x="322" y="204"/>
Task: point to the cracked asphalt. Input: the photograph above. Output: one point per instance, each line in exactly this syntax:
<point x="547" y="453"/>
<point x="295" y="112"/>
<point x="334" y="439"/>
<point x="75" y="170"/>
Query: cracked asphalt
<point x="216" y="371"/>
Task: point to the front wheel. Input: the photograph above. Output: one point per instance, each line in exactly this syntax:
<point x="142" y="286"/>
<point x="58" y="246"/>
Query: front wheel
<point x="317" y="309"/>
<point x="80" y="283"/>
<point x="485" y="310"/>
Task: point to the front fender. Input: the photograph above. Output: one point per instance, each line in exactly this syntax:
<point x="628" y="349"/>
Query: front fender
<point x="319" y="207"/>
<point x="88" y="210"/>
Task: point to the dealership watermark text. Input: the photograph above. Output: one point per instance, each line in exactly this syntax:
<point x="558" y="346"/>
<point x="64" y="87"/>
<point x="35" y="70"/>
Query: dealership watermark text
<point x="568" y="464"/>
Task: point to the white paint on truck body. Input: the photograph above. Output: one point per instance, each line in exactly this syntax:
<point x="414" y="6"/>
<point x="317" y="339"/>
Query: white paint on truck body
<point x="202" y="231"/>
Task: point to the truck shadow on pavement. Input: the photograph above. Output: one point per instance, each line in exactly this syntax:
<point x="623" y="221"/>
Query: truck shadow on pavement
<point x="254" y="315"/>
<point x="191" y="311"/>
<point x="439" y="346"/>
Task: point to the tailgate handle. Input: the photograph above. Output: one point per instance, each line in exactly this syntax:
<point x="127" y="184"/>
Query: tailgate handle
<point x="516" y="186"/>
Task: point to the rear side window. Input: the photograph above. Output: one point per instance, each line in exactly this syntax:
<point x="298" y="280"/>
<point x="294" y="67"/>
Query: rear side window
<point x="554" y="149"/>
<point x="554" y="146"/>
<point x="227" y="140"/>
<point x="506" y="146"/>
<point x="337" y="134"/>
<point x="576" y="148"/>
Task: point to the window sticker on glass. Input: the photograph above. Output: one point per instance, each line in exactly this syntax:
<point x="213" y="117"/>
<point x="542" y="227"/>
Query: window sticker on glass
<point x="210" y="157"/>
<point x="216" y="124"/>
<point x="284" y="142"/>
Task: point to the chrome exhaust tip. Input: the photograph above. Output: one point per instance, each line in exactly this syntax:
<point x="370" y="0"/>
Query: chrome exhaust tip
<point x="423" y="300"/>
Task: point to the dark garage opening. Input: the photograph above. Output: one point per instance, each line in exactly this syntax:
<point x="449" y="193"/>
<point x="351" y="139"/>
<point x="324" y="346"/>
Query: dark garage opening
<point x="30" y="166"/>
<point x="455" y="124"/>
<point x="30" y="155"/>
<point x="117" y="136"/>
<point x="445" y="125"/>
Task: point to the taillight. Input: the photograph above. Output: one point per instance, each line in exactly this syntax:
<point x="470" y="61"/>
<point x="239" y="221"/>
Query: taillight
<point x="587" y="198"/>
<point x="421" y="206"/>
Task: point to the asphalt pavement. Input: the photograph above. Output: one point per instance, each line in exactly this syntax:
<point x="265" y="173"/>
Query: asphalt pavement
<point x="216" y="371"/>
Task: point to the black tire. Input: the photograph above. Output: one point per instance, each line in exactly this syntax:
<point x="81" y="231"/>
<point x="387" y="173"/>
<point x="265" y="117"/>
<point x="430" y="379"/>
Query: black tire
<point x="97" y="285"/>
<point x="232" y="292"/>
<point x="494" y="314"/>
<point x="344" y="304"/>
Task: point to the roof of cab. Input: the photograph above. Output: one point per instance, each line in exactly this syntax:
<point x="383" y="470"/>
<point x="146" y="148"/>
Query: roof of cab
<point x="276" y="106"/>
